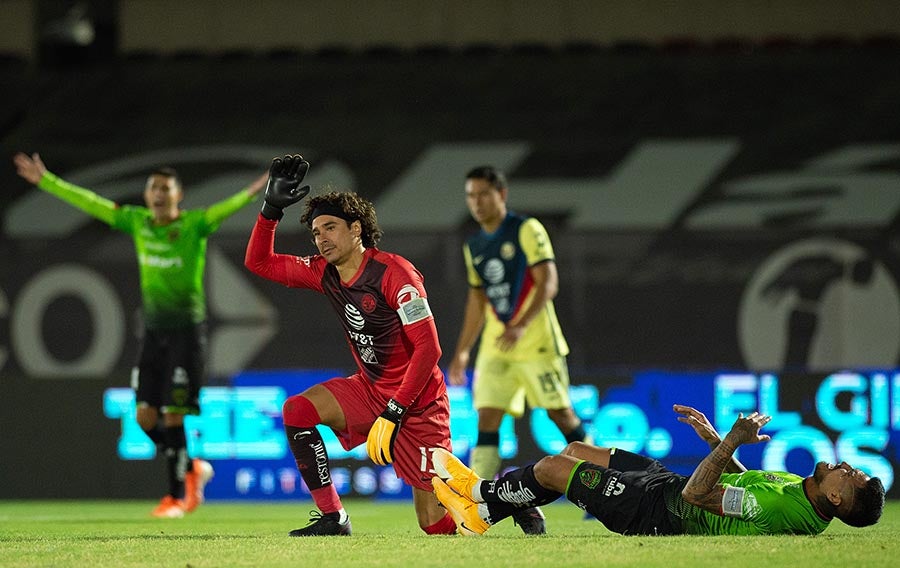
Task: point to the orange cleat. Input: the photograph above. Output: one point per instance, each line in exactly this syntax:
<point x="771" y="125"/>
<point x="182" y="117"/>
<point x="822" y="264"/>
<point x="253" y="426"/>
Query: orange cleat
<point x="470" y="519"/>
<point x="169" y="508"/>
<point x="194" y="483"/>
<point x="455" y="473"/>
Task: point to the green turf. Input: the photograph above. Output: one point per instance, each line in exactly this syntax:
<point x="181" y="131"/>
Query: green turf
<point x="121" y="534"/>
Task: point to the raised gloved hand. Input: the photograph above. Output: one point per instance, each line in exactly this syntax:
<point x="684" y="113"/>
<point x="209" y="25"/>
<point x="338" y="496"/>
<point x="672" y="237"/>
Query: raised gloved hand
<point x="380" y="443"/>
<point x="283" y="188"/>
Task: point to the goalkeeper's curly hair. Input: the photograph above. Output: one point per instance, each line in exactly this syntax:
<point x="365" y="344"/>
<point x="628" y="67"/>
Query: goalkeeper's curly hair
<point x="354" y="207"/>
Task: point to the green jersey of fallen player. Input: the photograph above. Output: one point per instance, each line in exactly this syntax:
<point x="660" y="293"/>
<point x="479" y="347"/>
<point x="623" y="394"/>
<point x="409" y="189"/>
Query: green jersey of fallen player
<point x="759" y="502"/>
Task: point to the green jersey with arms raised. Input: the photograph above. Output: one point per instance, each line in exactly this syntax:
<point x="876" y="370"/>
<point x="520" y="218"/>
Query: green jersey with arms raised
<point x="759" y="502"/>
<point x="171" y="257"/>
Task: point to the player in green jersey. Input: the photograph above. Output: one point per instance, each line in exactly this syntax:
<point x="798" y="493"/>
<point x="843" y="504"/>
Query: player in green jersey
<point x="171" y="251"/>
<point x="632" y="494"/>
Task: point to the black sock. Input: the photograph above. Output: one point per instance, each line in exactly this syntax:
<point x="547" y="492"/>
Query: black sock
<point x="576" y="435"/>
<point x="518" y="488"/>
<point x="499" y="511"/>
<point x="175" y="451"/>
<point x="156" y="436"/>
<point x="488" y="438"/>
<point x="309" y="453"/>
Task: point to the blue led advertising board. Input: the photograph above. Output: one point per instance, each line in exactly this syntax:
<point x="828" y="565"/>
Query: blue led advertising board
<point x="848" y="416"/>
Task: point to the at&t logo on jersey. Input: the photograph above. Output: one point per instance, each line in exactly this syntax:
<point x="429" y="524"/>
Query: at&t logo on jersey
<point x="354" y="318"/>
<point x="496" y="289"/>
<point x="365" y="344"/>
<point x="494" y="271"/>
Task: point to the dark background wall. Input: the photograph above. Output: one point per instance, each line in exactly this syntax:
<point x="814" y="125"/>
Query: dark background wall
<point x="708" y="177"/>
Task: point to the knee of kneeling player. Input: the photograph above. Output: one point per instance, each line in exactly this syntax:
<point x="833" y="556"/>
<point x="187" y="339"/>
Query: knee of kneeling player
<point x="300" y="412"/>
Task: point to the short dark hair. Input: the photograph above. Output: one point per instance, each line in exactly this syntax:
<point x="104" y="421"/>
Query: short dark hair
<point x="167" y="171"/>
<point x="354" y="206"/>
<point x="868" y="504"/>
<point x="490" y="174"/>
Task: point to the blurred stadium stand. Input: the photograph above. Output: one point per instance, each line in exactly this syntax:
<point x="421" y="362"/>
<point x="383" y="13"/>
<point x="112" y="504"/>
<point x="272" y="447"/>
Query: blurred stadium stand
<point x="64" y="32"/>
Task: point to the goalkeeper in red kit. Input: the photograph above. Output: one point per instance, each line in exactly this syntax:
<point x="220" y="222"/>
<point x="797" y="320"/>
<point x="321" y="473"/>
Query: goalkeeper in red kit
<point x="396" y="401"/>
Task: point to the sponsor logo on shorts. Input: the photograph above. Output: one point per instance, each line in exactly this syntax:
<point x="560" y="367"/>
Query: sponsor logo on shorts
<point x="613" y="487"/>
<point x="180" y="376"/>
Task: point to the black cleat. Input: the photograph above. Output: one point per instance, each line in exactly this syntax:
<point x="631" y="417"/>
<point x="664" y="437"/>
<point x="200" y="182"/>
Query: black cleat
<point x="531" y="520"/>
<point x="324" y="525"/>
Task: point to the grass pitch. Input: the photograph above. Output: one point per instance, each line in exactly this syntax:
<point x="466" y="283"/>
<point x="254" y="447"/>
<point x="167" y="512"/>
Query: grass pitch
<point x="122" y="534"/>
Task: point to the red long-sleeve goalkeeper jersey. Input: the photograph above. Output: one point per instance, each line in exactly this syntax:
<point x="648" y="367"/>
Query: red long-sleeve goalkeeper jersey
<point x="384" y="312"/>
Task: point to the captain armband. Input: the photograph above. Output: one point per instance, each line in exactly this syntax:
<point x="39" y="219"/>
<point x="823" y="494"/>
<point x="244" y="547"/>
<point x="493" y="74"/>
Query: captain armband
<point x="414" y="310"/>
<point x="733" y="501"/>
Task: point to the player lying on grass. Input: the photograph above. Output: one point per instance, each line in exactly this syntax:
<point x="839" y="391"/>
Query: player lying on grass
<point x="632" y="494"/>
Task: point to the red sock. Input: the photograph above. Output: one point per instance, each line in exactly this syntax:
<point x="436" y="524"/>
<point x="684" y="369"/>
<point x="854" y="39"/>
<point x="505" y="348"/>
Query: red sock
<point x="327" y="499"/>
<point x="300" y="420"/>
<point x="445" y="526"/>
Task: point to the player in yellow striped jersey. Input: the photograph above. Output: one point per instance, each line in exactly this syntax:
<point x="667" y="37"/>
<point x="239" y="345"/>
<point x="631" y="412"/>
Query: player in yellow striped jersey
<point x="512" y="279"/>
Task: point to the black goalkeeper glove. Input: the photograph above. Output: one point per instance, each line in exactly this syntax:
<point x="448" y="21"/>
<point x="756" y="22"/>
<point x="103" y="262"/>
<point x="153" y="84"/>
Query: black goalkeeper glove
<point x="283" y="188"/>
<point x="380" y="443"/>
